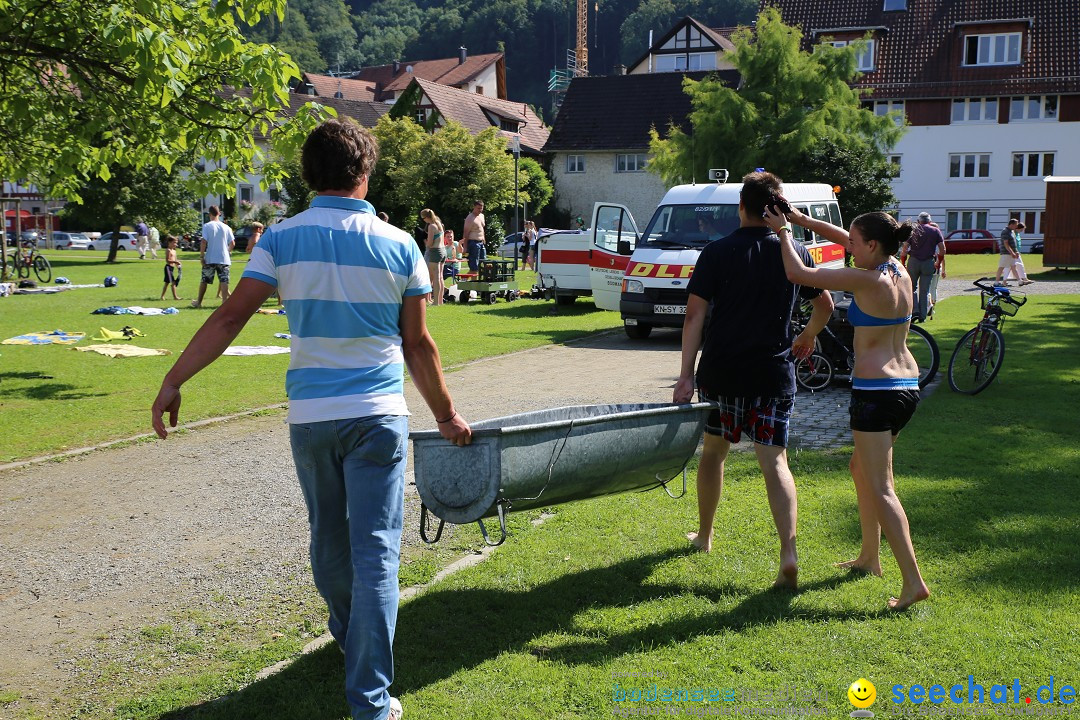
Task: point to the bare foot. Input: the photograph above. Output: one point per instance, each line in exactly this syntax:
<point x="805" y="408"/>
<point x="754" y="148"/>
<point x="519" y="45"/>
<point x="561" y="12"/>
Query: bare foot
<point x="907" y="599"/>
<point x="858" y="565"/>
<point x="788" y="577"/>
<point x="699" y="545"/>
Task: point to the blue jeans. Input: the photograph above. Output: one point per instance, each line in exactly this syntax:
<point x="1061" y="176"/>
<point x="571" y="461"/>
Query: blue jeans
<point x="477" y="252"/>
<point x="352" y="473"/>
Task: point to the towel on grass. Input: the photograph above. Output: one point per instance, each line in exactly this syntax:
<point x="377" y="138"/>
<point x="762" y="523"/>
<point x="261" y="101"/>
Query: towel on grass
<point x="283" y="336"/>
<point x="123" y="350"/>
<point x="269" y="311"/>
<point x="134" y="310"/>
<point x="106" y="335"/>
<point x="255" y="350"/>
<point x="56" y="337"/>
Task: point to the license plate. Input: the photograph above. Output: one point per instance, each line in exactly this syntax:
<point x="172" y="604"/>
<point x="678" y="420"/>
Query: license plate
<point x="669" y="309"/>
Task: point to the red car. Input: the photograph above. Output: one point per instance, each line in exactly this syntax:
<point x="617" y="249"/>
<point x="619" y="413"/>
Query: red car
<point x="973" y="240"/>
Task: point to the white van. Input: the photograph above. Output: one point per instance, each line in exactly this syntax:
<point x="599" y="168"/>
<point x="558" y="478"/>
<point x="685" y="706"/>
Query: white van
<point x="689" y="217"/>
<point x="644" y="276"/>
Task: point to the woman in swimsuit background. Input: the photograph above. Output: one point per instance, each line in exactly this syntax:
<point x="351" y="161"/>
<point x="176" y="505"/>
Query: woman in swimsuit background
<point x="435" y="254"/>
<point x="885" y="382"/>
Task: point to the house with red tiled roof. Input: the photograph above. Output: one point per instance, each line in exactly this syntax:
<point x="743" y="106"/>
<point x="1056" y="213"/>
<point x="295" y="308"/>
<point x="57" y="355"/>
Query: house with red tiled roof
<point x="480" y="74"/>
<point x="990" y="90"/>
<point x="340" y="88"/>
<point x="432" y="104"/>
<point x="689" y="46"/>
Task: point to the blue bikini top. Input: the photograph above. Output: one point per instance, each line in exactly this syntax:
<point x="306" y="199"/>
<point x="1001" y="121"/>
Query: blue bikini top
<point x="859" y="318"/>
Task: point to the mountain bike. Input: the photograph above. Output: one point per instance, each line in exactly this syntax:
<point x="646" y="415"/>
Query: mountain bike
<point x="977" y="358"/>
<point x="26" y="258"/>
<point x="833" y="355"/>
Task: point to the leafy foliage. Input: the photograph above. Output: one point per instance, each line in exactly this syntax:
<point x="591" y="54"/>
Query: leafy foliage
<point x="863" y="177"/>
<point x="446" y="171"/>
<point x="160" y="198"/>
<point x="535" y="185"/>
<point x="137" y="84"/>
<point x="789" y="101"/>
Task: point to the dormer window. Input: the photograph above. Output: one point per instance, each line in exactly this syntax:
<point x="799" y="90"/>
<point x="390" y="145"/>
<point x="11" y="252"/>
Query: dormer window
<point x="508" y="125"/>
<point x="998" y="49"/>
<point x="864" y="59"/>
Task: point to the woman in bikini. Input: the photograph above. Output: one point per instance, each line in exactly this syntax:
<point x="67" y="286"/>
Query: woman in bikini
<point x="885" y="382"/>
<point x="435" y="254"/>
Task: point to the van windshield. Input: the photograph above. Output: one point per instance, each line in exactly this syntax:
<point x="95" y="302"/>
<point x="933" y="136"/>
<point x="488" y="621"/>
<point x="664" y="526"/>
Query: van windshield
<point x="689" y="226"/>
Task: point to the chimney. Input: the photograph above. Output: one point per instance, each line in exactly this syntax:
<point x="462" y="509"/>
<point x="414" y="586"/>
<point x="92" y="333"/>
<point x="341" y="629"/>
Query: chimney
<point x="397" y="66"/>
<point x="461" y="55"/>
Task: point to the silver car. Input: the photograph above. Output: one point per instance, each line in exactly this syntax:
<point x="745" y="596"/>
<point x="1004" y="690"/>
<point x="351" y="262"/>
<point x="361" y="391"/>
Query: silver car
<point x="70" y="241"/>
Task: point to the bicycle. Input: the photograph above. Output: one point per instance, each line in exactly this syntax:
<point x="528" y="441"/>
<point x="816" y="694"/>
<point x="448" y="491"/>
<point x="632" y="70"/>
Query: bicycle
<point x="26" y="258"/>
<point x="977" y="358"/>
<point x="834" y="356"/>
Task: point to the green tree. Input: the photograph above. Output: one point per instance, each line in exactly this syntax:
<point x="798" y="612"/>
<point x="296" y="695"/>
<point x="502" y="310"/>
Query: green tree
<point x="295" y="193"/>
<point x="292" y="35"/>
<point x="863" y="177"/>
<point x="446" y="171"/>
<point x="788" y="101"/>
<point x="161" y="198"/>
<point x="535" y="186"/>
<point x="95" y="85"/>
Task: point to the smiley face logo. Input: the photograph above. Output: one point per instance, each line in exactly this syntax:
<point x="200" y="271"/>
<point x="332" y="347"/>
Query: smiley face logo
<point x="862" y="693"/>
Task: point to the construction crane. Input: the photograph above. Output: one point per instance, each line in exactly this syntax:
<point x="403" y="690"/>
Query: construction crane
<point x="582" y="50"/>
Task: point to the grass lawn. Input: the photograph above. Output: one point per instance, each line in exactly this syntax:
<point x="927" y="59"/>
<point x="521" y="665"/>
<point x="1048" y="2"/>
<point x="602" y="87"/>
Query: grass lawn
<point x="977" y="265"/>
<point x="53" y="398"/>
<point x="548" y="625"/>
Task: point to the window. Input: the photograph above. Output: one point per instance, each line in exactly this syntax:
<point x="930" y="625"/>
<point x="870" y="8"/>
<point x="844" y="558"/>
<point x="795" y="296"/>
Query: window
<point x="1032" y="164"/>
<point x="968" y="110"/>
<point x="575" y="163"/>
<point x="884" y="107"/>
<point x="421" y="116"/>
<point x="630" y="163"/>
<point x="891" y="5"/>
<point x="974" y="165"/>
<point x="1001" y="49"/>
<point x="1032" y="219"/>
<point x="1034" y="107"/>
<point x="508" y="125"/>
<point x="246" y="192"/>
<point x="864" y="59"/>
<point x="895" y="161"/>
<point x="963" y="219"/>
<point x="680" y="63"/>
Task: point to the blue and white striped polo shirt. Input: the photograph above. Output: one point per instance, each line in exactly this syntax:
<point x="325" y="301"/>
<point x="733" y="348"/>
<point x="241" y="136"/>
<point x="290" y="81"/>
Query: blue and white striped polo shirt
<point x="342" y="274"/>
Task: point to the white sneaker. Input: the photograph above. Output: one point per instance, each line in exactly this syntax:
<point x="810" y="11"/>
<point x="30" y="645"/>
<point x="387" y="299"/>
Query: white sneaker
<point x="396" y="713"/>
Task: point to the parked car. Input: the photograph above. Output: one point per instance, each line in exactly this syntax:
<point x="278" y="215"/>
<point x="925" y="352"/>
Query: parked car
<point x="128" y="241"/>
<point x="242" y="237"/>
<point x="509" y="242"/>
<point x="1036" y="247"/>
<point x="970" y="240"/>
<point x="70" y="241"/>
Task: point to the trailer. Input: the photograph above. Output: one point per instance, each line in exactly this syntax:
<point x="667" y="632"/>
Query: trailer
<point x="1061" y="234"/>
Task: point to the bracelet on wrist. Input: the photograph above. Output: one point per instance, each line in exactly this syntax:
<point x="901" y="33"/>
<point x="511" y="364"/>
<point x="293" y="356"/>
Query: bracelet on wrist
<point x="452" y="416"/>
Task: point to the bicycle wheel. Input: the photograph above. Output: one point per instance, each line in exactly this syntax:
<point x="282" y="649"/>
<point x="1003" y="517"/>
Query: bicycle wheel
<point x="42" y="269"/>
<point x="21" y="267"/>
<point x="814" y="373"/>
<point x="976" y="360"/>
<point x="924" y="348"/>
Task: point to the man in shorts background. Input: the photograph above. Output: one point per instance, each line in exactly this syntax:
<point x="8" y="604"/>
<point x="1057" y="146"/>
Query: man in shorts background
<point x="746" y="362"/>
<point x="217" y="242"/>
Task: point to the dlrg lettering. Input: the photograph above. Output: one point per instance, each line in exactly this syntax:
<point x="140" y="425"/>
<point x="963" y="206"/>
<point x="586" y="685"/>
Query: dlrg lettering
<point x="977" y="694"/>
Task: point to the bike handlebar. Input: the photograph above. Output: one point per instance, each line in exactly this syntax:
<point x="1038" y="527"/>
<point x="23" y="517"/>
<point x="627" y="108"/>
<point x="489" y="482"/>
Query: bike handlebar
<point x="1000" y="291"/>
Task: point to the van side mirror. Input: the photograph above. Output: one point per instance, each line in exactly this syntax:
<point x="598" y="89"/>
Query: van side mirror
<point x="625" y="248"/>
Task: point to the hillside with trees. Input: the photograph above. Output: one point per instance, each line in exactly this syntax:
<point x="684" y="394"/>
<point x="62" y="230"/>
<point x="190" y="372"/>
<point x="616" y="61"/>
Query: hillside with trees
<point x="341" y="35"/>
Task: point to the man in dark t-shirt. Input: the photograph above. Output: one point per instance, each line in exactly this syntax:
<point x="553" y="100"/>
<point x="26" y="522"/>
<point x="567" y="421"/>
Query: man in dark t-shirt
<point x="746" y="364"/>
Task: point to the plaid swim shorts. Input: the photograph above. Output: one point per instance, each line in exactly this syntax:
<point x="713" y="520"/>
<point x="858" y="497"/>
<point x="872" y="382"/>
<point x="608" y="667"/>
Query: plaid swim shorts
<point x="764" y="420"/>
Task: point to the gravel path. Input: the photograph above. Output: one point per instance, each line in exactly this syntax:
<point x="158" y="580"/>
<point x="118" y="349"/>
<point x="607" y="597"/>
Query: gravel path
<point x="119" y="538"/>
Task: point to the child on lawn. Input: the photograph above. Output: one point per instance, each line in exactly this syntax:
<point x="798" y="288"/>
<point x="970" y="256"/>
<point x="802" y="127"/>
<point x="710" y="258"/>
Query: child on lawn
<point x="172" y="268"/>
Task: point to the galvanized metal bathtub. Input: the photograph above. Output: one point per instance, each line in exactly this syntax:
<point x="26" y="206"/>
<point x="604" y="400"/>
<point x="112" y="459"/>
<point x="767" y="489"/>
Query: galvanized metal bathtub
<point x="544" y="458"/>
